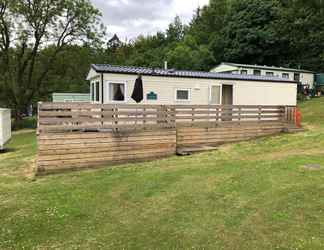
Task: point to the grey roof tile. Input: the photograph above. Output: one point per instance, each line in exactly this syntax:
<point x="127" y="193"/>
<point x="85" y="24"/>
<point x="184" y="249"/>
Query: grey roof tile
<point x="107" y="68"/>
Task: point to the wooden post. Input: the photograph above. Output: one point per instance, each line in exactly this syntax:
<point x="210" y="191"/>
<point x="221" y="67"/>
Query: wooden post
<point x="217" y="114"/>
<point x="209" y="115"/>
<point x="144" y="117"/>
<point x="102" y="115"/>
<point x="260" y="113"/>
<point x="116" y="117"/>
<point x="193" y="117"/>
<point x="174" y="118"/>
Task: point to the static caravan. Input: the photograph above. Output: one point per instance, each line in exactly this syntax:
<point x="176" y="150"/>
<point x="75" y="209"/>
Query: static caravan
<point x="114" y="84"/>
<point x="303" y="77"/>
<point x="5" y="127"/>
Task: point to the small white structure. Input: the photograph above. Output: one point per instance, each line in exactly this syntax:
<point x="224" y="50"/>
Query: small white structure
<point x="5" y="127"/>
<point x="114" y="84"/>
<point x="70" y="97"/>
<point x="305" y="77"/>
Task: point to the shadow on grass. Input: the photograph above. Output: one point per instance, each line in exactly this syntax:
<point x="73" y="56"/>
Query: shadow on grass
<point x="8" y="150"/>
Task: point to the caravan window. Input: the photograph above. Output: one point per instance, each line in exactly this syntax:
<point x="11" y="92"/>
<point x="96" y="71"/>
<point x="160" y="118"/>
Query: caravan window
<point x="285" y="75"/>
<point x="117" y="92"/>
<point x="182" y="95"/>
<point x="95" y="92"/>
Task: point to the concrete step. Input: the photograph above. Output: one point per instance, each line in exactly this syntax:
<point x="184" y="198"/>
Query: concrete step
<point x="294" y="130"/>
<point x="182" y="151"/>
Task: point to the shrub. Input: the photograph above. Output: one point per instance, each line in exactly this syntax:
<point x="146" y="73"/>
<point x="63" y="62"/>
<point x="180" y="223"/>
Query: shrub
<point x="25" y="123"/>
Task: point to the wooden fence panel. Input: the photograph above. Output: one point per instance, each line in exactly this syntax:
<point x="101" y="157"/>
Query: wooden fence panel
<point x="81" y="135"/>
<point x="76" y="150"/>
<point x="60" y="117"/>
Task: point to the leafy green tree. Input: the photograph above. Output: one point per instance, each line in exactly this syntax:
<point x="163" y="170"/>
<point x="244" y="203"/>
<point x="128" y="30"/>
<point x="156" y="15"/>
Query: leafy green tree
<point x="301" y="26"/>
<point x="176" y="31"/>
<point x="27" y="27"/>
<point x="189" y="55"/>
<point x="250" y="34"/>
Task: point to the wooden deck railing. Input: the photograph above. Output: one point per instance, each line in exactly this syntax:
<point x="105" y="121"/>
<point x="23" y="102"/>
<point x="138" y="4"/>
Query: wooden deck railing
<point x="60" y="117"/>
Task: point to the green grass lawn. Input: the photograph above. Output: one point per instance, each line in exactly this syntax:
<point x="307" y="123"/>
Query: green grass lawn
<point x="250" y="195"/>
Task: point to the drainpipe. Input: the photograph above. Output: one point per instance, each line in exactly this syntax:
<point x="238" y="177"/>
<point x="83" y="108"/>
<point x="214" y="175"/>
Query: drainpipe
<point x="102" y="97"/>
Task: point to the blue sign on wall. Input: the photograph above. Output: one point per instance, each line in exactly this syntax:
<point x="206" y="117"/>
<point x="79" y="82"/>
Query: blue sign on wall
<point x="151" y="96"/>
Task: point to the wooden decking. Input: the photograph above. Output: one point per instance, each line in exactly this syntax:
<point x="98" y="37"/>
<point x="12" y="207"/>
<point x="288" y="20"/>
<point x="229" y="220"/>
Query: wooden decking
<point x="76" y="136"/>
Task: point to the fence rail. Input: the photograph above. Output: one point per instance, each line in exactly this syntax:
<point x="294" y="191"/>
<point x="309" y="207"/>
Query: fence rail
<point x="60" y="117"/>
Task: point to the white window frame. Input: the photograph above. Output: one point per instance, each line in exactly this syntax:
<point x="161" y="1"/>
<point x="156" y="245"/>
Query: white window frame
<point x="220" y="94"/>
<point x="270" y="73"/>
<point x="108" y="88"/>
<point x="182" y="89"/>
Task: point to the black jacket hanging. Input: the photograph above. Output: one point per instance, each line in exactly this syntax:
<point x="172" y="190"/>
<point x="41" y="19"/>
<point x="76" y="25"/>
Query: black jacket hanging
<point x="137" y="95"/>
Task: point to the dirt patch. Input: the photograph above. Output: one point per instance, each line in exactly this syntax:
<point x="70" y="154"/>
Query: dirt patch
<point x="23" y="131"/>
<point x="312" y="167"/>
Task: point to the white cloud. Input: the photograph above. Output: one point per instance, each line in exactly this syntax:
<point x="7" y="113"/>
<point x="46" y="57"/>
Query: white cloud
<point x="130" y="18"/>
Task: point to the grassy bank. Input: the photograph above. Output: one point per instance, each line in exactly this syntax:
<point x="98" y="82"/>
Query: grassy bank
<point x="250" y="195"/>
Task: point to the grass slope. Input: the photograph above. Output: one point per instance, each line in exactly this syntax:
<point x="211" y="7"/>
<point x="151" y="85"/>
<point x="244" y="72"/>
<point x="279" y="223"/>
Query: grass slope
<point x="250" y="195"/>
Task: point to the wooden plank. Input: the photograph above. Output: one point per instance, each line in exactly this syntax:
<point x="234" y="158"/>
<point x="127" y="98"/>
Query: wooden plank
<point x="225" y="106"/>
<point x="208" y="137"/>
<point x="105" y="140"/>
<point x="97" y="113"/>
<point x="89" y="135"/>
<point x="75" y="105"/>
<point x="220" y="142"/>
<point x="225" y="123"/>
<point x="81" y="116"/>
<point x="57" y="128"/>
<point x="225" y="132"/>
<point x="56" y="120"/>
<point x="224" y="129"/>
<point x="134" y="151"/>
<point x="107" y="159"/>
<point x="56" y="168"/>
<point x="242" y="116"/>
<point x="100" y="149"/>
<point x="49" y="147"/>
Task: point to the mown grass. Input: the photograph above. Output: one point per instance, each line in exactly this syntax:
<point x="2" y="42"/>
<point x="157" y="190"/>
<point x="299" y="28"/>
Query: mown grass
<point x="250" y="195"/>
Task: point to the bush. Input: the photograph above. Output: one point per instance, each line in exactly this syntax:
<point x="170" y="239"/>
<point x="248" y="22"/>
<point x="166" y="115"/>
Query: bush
<point x="25" y="123"/>
<point x="301" y="97"/>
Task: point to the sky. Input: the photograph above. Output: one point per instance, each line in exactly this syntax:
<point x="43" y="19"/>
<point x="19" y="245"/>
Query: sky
<point x="130" y="18"/>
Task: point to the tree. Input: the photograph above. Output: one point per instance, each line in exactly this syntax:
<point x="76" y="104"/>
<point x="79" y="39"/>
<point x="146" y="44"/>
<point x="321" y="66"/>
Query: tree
<point x="27" y="27"/>
<point x="250" y="35"/>
<point x="190" y="55"/>
<point x="176" y="30"/>
<point x="114" y="43"/>
<point x="301" y="26"/>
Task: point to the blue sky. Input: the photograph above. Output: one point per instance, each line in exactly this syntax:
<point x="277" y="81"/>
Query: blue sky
<point x="130" y="18"/>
